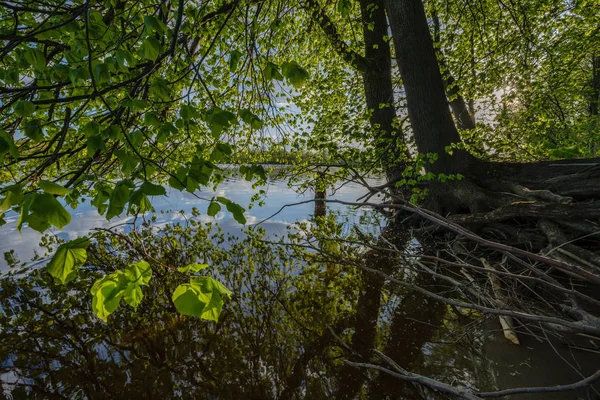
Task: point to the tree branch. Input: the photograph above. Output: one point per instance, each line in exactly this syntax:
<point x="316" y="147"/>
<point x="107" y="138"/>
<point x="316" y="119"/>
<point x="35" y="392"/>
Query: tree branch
<point x="544" y="389"/>
<point x="350" y="56"/>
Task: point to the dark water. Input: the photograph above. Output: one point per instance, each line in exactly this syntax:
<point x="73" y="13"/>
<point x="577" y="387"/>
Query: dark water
<point x="292" y="321"/>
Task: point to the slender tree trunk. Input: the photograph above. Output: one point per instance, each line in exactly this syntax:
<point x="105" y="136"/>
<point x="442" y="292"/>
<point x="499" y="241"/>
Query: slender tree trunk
<point x="377" y="81"/>
<point x="462" y="112"/>
<point x="428" y="107"/>
<point x="595" y="92"/>
<point x="376" y="70"/>
<point x="458" y="104"/>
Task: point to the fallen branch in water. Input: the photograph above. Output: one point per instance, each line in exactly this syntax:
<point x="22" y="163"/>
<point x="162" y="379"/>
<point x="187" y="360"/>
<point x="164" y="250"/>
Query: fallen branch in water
<point x="544" y="389"/>
<point x="459" y="393"/>
<point x="411" y="377"/>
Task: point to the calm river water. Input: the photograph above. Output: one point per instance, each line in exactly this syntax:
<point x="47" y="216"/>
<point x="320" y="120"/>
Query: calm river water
<point x="169" y="210"/>
<point x="283" y="335"/>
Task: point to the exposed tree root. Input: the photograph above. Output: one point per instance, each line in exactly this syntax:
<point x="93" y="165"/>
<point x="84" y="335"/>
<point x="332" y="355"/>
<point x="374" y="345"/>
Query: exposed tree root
<point x="543" y="195"/>
<point x="532" y="220"/>
<point x="518" y="242"/>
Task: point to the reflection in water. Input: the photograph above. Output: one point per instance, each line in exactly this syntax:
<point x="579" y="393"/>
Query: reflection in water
<point x="177" y="206"/>
<point x="294" y="317"/>
<point x="271" y="340"/>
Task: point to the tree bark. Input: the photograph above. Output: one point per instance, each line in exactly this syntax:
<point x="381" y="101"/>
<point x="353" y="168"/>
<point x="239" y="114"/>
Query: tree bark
<point x="458" y="104"/>
<point x="376" y="70"/>
<point x="595" y="92"/>
<point x="428" y="107"/>
<point x="379" y="93"/>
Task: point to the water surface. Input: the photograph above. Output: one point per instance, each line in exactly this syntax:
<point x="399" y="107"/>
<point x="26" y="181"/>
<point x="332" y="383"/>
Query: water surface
<point x="283" y="335"/>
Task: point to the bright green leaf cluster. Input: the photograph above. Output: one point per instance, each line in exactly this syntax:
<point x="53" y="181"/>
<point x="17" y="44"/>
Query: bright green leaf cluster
<point x="68" y="257"/>
<point x="109" y="290"/>
<point x="202" y="298"/>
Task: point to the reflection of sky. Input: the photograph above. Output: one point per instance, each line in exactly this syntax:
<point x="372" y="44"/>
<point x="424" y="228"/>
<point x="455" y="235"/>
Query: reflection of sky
<point x="85" y="218"/>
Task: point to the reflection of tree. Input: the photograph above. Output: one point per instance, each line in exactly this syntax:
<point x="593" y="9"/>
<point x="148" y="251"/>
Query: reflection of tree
<point x="278" y="337"/>
<point x="413" y="323"/>
<point x="267" y="336"/>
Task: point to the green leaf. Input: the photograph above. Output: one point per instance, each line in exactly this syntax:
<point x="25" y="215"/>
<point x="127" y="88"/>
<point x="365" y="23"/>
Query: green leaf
<point x="202" y="297"/>
<point x="181" y="176"/>
<point x="61" y="72"/>
<point x="92" y="128"/>
<point x="95" y="143"/>
<point x="192" y="268"/>
<point x="218" y="286"/>
<point x="151" y="119"/>
<point x="151" y="189"/>
<point x="234" y="59"/>
<point x="344" y="7"/>
<point x="140" y="201"/>
<point x="187" y="112"/>
<point x="68" y="257"/>
<point x="24" y="108"/>
<point x="53" y="188"/>
<point x="218" y="120"/>
<point x="101" y="73"/>
<point x="153" y="24"/>
<point x="165" y="131"/>
<point x="237" y="211"/>
<point x="213" y="208"/>
<point x="33" y="129"/>
<point x="46" y="211"/>
<point x="133" y="295"/>
<point x="150" y="49"/>
<point x="13" y="196"/>
<point x="107" y="293"/>
<point x="294" y="73"/>
<point x="79" y="75"/>
<point x="128" y="161"/>
<point x="118" y="199"/>
<point x="187" y="300"/>
<point x="10" y="75"/>
<point x="223" y="200"/>
<point x="35" y="57"/>
<point x="109" y="290"/>
<point x="9" y="145"/>
<point x="25" y="207"/>
<point x="124" y="58"/>
<point x="271" y="72"/>
<point x="251" y="119"/>
<point x="214" y="292"/>
<point x="220" y="152"/>
<point x="139" y="273"/>
<point x="160" y="89"/>
<point x="136" y="139"/>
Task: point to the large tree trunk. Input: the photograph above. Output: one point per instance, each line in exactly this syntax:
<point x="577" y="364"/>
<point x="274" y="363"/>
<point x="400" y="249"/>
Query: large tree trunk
<point x="377" y="81"/>
<point x="428" y="107"/>
<point x="376" y="70"/>
<point x="537" y="222"/>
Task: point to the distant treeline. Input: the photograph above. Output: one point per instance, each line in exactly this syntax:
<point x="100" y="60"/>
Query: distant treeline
<point x="281" y="156"/>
